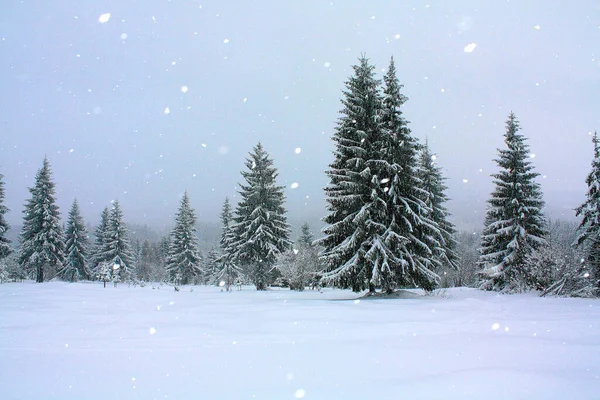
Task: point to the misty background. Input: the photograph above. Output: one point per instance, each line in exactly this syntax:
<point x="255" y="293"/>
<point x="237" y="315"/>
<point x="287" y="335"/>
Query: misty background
<point x="142" y="100"/>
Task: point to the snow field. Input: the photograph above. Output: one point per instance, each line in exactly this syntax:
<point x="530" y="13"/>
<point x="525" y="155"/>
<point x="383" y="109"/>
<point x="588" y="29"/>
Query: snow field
<point x="80" y="341"/>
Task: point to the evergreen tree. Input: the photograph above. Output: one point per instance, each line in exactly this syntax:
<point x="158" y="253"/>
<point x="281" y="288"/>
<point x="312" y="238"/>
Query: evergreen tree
<point x="378" y="231"/>
<point x="432" y="182"/>
<point x="210" y="267"/>
<point x="226" y="223"/>
<point x="589" y="228"/>
<point x="183" y="262"/>
<point x="306" y="237"/>
<point x="76" y="241"/>
<point x="260" y="230"/>
<point x="42" y="249"/>
<point x="352" y="195"/>
<point x="97" y="256"/>
<point x="117" y="246"/>
<point x="227" y="271"/>
<point x="514" y="223"/>
<point x="5" y="248"/>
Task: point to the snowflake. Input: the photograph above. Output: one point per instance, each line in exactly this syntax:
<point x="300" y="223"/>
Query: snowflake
<point x="103" y="18"/>
<point x="470" y="47"/>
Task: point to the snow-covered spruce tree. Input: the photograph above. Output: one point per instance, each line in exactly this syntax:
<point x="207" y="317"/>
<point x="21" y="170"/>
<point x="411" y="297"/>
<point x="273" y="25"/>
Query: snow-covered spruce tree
<point x="259" y="230"/>
<point x="226" y="270"/>
<point x="42" y="250"/>
<point x="514" y="223"/>
<point x="210" y="268"/>
<point x="97" y="256"/>
<point x="183" y="262"/>
<point x="75" y="266"/>
<point x="432" y="182"/>
<point x="589" y="228"/>
<point x="117" y="246"/>
<point x="5" y="247"/>
<point x="378" y="231"/>
<point x="353" y="199"/>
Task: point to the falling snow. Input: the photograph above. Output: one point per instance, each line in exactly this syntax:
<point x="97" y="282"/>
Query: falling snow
<point x="470" y="47"/>
<point x="103" y="18"/>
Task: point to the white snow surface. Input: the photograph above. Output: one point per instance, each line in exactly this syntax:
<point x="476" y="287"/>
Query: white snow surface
<point x="81" y="341"/>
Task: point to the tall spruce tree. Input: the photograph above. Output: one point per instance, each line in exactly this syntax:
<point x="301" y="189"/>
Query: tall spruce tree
<point x="227" y="271"/>
<point x="589" y="228"/>
<point x="5" y="247"/>
<point x="117" y="245"/>
<point x="76" y="242"/>
<point x="514" y="222"/>
<point x="354" y="202"/>
<point x="260" y="230"/>
<point x="42" y="249"/>
<point x="432" y="182"/>
<point x="226" y="223"/>
<point x="98" y="246"/>
<point x="183" y="262"/>
<point x="378" y="232"/>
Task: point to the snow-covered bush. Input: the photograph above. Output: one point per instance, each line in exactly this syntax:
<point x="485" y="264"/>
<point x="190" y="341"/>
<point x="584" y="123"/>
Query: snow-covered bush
<point x="298" y="266"/>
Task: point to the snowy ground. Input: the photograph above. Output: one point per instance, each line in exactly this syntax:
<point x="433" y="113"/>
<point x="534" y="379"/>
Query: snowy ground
<point x="80" y="341"/>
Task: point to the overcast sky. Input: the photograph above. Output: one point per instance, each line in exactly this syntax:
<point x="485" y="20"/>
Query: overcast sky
<point x="141" y="100"/>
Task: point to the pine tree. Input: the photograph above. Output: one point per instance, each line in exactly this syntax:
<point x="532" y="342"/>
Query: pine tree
<point x="97" y="256"/>
<point x="227" y="271"/>
<point x="183" y="262"/>
<point x="260" y="230"/>
<point x="5" y="248"/>
<point x="589" y="228"/>
<point x="117" y="246"/>
<point x="432" y="182"/>
<point x="42" y="249"/>
<point x="76" y="241"/>
<point x="354" y="203"/>
<point x="210" y="267"/>
<point x="378" y="231"/>
<point x="514" y="223"/>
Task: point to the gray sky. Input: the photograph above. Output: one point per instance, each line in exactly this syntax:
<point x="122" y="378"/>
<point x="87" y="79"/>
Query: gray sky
<point x="171" y="95"/>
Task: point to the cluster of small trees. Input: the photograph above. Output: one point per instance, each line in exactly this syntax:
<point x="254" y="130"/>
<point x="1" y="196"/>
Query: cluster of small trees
<point x="254" y="235"/>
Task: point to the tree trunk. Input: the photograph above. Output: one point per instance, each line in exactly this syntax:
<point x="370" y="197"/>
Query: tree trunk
<point x="40" y="274"/>
<point x="371" y="289"/>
